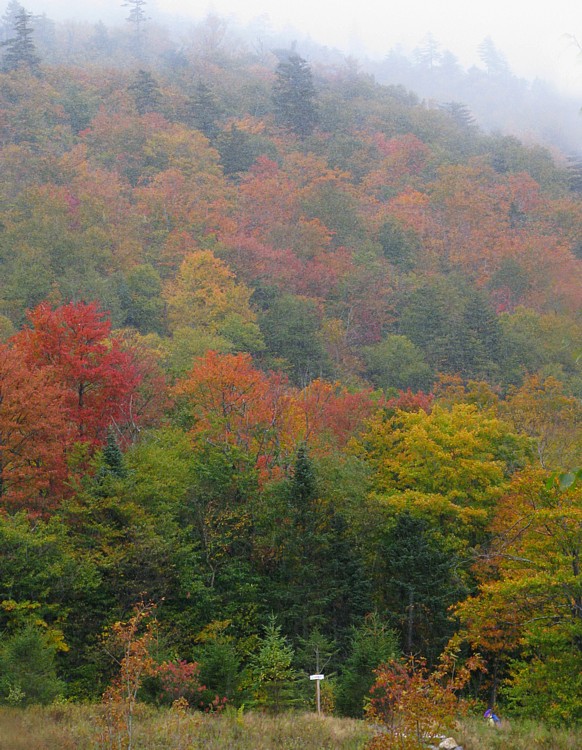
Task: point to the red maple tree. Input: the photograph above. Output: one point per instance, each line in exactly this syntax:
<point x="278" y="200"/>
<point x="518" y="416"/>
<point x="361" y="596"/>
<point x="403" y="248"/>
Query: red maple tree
<point x="73" y="343"/>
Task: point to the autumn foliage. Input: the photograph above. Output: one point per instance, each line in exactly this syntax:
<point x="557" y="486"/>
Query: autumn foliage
<point x="415" y="705"/>
<point x="328" y="374"/>
<point x="72" y="344"/>
<point x="34" y="434"/>
<point x="64" y="379"/>
<point x="236" y="405"/>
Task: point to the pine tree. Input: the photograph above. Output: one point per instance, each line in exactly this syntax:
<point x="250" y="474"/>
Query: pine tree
<point x="274" y="677"/>
<point x="461" y="114"/>
<point x="294" y="96"/>
<point x="204" y="111"/>
<point x="112" y="457"/>
<point x="146" y="92"/>
<point x="20" y="49"/>
<point x="9" y="18"/>
<point x="137" y="17"/>
<point x="494" y="61"/>
<point x="418" y="579"/>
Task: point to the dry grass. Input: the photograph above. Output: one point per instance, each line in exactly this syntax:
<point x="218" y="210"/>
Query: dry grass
<point x="72" y="727"/>
<point x="517" y="735"/>
<point x="77" y="727"/>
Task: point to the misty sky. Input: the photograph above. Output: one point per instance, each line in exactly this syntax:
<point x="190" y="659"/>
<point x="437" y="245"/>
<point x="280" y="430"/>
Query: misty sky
<point x="532" y="36"/>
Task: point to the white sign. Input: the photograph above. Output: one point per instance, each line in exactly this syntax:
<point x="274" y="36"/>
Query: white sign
<point x="316" y="677"/>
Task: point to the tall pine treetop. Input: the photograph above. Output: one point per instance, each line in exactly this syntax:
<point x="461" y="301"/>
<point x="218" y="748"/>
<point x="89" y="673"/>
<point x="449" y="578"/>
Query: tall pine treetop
<point x="20" y="48"/>
<point x="294" y="96"/>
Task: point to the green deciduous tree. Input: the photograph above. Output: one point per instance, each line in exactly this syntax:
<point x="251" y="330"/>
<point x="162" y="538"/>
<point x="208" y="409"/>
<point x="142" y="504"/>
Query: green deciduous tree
<point x="400" y="245"/>
<point x="396" y="362"/>
<point x="291" y="327"/>
<point x="140" y="292"/>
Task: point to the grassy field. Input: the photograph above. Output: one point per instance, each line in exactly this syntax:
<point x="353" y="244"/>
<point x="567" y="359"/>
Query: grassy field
<point x="74" y="727"/>
<point x="475" y="734"/>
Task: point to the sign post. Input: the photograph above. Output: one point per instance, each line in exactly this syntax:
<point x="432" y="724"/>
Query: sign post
<point x="318" y="678"/>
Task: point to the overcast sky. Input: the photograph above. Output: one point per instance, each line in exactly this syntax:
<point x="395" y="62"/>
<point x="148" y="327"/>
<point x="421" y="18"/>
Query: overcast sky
<point x="533" y="37"/>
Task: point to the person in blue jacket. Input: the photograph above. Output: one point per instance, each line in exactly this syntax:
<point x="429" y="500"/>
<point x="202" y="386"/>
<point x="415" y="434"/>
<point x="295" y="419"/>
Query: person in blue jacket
<point x="492" y="718"/>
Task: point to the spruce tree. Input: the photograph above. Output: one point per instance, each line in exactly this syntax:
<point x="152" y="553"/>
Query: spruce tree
<point x="493" y="60"/>
<point x="274" y="677"/>
<point x="9" y="18"/>
<point x="418" y="582"/>
<point x="294" y="96"/>
<point x="319" y="583"/>
<point x="113" y="463"/>
<point x="204" y="111"/>
<point x="461" y="114"/>
<point x="236" y="151"/>
<point x="372" y="643"/>
<point x="303" y="488"/>
<point x="481" y="335"/>
<point x="20" y="49"/>
<point x="137" y="17"/>
<point x="146" y="92"/>
<point x="575" y="173"/>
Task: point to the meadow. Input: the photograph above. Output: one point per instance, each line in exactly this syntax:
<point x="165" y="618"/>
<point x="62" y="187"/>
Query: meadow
<point x="78" y="727"/>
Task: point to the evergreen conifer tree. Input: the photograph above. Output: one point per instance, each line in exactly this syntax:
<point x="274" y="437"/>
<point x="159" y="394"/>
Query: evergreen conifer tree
<point x="575" y="173"/>
<point x="274" y="676"/>
<point x="419" y="582"/>
<point x="137" y="17"/>
<point x="113" y="457"/>
<point x="204" y="111"/>
<point x="319" y="582"/>
<point x="20" y="49"/>
<point x="8" y="20"/>
<point x="461" y="114"/>
<point x="481" y="337"/>
<point x="146" y="92"/>
<point x="303" y="488"/>
<point x="294" y="96"/>
<point x="372" y="644"/>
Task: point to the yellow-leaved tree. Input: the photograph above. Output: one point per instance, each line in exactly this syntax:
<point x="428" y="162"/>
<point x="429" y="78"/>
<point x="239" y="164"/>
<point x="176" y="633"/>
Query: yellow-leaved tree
<point x="206" y="297"/>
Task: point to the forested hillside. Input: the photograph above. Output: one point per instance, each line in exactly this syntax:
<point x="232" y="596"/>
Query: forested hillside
<point x="289" y="360"/>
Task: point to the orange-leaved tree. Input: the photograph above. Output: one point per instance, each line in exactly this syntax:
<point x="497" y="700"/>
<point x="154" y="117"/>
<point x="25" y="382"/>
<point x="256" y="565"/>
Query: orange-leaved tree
<point x="240" y="408"/>
<point x="34" y="433"/>
<point x="129" y="644"/>
<point x="415" y="705"/>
